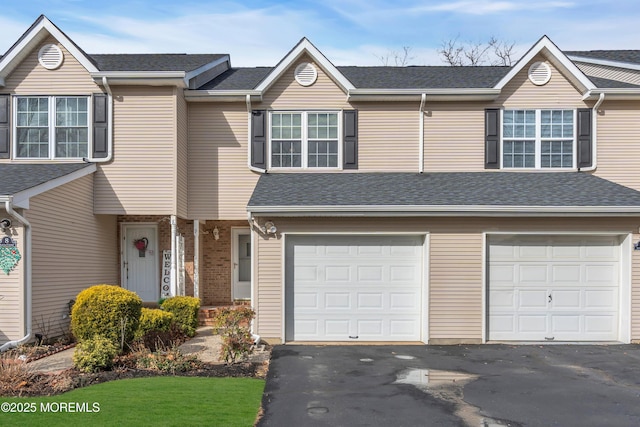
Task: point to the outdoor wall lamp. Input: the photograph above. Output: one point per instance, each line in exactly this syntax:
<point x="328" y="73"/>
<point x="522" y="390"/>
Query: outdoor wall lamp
<point x="269" y="228"/>
<point x="216" y="233"/>
<point x="5" y="223"/>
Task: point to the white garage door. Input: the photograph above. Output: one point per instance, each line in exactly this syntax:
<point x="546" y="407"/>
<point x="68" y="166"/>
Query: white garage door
<point x="561" y="288"/>
<point x="353" y="288"/>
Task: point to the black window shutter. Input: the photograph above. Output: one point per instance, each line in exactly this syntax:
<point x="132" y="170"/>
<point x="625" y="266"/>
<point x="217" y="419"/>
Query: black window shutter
<point x="350" y="141"/>
<point x="492" y="138"/>
<point x="100" y="125"/>
<point x="585" y="138"/>
<point x="258" y="139"/>
<point x="5" y="129"/>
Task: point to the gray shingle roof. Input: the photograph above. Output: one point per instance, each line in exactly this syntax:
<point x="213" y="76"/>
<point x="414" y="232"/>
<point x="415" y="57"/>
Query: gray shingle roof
<point x="630" y="56"/>
<point x="238" y="79"/>
<point x="378" y="77"/>
<point x="614" y="84"/>
<point x="17" y="177"/>
<point x="423" y="77"/>
<point x="572" y="189"/>
<point x="153" y="62"/>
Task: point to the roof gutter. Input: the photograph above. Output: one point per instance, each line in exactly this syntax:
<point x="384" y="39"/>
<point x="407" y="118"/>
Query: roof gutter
<point x="221" y="95"/>
<point x="423" y="99"/>
<point x="444" y="210"/>
<point x="8" y="206"/>
<point x="105" y="83"/>
<point x="446" y="94"/>
<point x="594" y="133"/>
<point x="152" y="78"/>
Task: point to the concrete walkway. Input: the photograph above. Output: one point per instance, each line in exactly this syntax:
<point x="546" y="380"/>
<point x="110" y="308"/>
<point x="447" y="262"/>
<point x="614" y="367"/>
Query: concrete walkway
<point x="204" y="345"/>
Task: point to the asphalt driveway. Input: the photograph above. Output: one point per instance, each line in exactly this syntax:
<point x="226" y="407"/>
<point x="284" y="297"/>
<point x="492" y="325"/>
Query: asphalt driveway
<point x="488" y="385"/>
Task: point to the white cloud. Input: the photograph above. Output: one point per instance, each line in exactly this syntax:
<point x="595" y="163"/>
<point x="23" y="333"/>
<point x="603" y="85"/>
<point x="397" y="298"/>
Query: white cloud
<point x="487" y="7"/>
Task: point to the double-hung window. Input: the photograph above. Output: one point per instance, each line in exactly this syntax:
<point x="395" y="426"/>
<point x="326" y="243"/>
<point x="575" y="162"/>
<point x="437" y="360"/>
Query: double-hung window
<point x="304" y="140"/>
<point x="50" y="127"/>
<point x="538" y="139"/>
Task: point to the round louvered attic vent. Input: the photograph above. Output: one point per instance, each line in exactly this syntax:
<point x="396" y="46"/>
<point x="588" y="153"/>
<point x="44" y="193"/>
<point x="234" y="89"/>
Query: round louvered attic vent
<point x="539" y="73"/>
<point x="50" y="56"/>
<point x="306" y="74"/>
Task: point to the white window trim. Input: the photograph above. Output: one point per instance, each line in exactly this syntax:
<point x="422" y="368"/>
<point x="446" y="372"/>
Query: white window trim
<point x="305" y="141"/>
<point x="52" y="126"/>
<point x="538" y="139"/>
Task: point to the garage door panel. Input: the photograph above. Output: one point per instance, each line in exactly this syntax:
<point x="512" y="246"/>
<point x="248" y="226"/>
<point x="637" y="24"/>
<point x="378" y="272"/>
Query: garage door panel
<point x="566" y="299"/>
<point x="606" y="299"/>
<point x="601" y="273"/>
<point x="531" y="299"/>
<point x="581" y="274"/>
<point x="367" y="287"/>
<point x="532" y="274"/>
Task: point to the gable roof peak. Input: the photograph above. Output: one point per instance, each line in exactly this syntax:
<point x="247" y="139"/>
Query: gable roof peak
<point x="547" y="47"/>
<point x="41" y="28"/>
<point x="302" y="47"/>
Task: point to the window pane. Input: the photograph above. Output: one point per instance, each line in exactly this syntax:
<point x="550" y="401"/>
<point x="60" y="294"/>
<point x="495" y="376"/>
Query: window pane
<point x="518" y="154"/>
<point x="285" y="154"/>
<point x="71" y="127"/>
<point x="557" y="154"/>
<point x="323" y="154"/>
<point x="32" y="127"/>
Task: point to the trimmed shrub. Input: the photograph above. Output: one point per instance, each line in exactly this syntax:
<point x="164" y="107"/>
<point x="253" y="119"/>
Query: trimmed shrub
<point x="153" y="319"/>
<point x="94" y="354"/>
<point x="106" y="310"/>
<point x="233" y="326"/>
<point x="185" y="310"/>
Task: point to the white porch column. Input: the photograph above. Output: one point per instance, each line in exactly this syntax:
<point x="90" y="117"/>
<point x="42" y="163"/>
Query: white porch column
<point x="196" y="258"/>
<point x="174" y="265"/>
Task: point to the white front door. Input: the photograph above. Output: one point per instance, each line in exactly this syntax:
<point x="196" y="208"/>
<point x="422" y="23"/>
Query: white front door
<point x="140" y="261"/>
<point x="241" y="248"/>
<point x="560" y="288"/>
<point x="353" y="288"/>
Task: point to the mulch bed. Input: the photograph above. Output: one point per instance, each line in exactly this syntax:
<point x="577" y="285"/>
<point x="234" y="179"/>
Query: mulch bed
<point x="29" y="383"/>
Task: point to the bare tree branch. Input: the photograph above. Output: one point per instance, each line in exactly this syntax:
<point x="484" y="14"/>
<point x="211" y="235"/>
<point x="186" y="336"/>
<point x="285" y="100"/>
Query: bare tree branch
<point x="493" y="52"/>
<point x="397" y="58"/>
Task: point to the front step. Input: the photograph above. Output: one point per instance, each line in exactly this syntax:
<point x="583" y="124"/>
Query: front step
<point x="206" y="314"/>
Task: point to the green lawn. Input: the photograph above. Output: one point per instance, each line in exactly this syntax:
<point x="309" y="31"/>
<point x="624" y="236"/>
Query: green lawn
<point x="156" y="401"/>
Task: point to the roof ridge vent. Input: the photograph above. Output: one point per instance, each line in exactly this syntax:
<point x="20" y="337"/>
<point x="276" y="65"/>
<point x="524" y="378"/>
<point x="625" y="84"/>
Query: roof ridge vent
<point x="539" y="73"/>
<point x="306" y="74"/>
<point x="50" y="56"/>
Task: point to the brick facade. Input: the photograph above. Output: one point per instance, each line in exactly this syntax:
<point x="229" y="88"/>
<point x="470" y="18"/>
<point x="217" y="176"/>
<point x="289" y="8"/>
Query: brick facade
<point x="216" y="267"/>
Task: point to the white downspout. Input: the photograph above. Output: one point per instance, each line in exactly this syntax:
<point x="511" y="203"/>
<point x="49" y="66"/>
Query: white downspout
<point x="174" y="264"/>
<point x="105" y="83"/>
<point x="196" y="258"/>
<point x="26" y="259"/>
<point x="421" y="149"/>
<point x="251" y="167"/>
<point x="594" y="135"/>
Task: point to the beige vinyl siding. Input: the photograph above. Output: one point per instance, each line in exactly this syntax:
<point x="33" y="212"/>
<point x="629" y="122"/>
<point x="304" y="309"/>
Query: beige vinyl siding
<point x="141" y="179"/>
<point x="31" y="78"/>
<point x="611" y="73"/>
<point x="268" y="288"/>
<point x="618" y="150"/>
<point x="455" y="259"/>
<point x="454" y="137"/>
<point x="455" y="286"/>
<point x="557" y="93"/>
<point x="182" y="158"/>
<point x="388" y="135"/>
<point x="220" y="182"/>
<point x="12" y="293"/>
<point x="72" y="250"/>
<point x="287" y="94"/>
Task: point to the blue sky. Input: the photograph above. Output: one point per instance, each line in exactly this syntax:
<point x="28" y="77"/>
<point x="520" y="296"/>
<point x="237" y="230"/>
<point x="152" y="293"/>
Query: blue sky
<point x="348" y="32"/>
